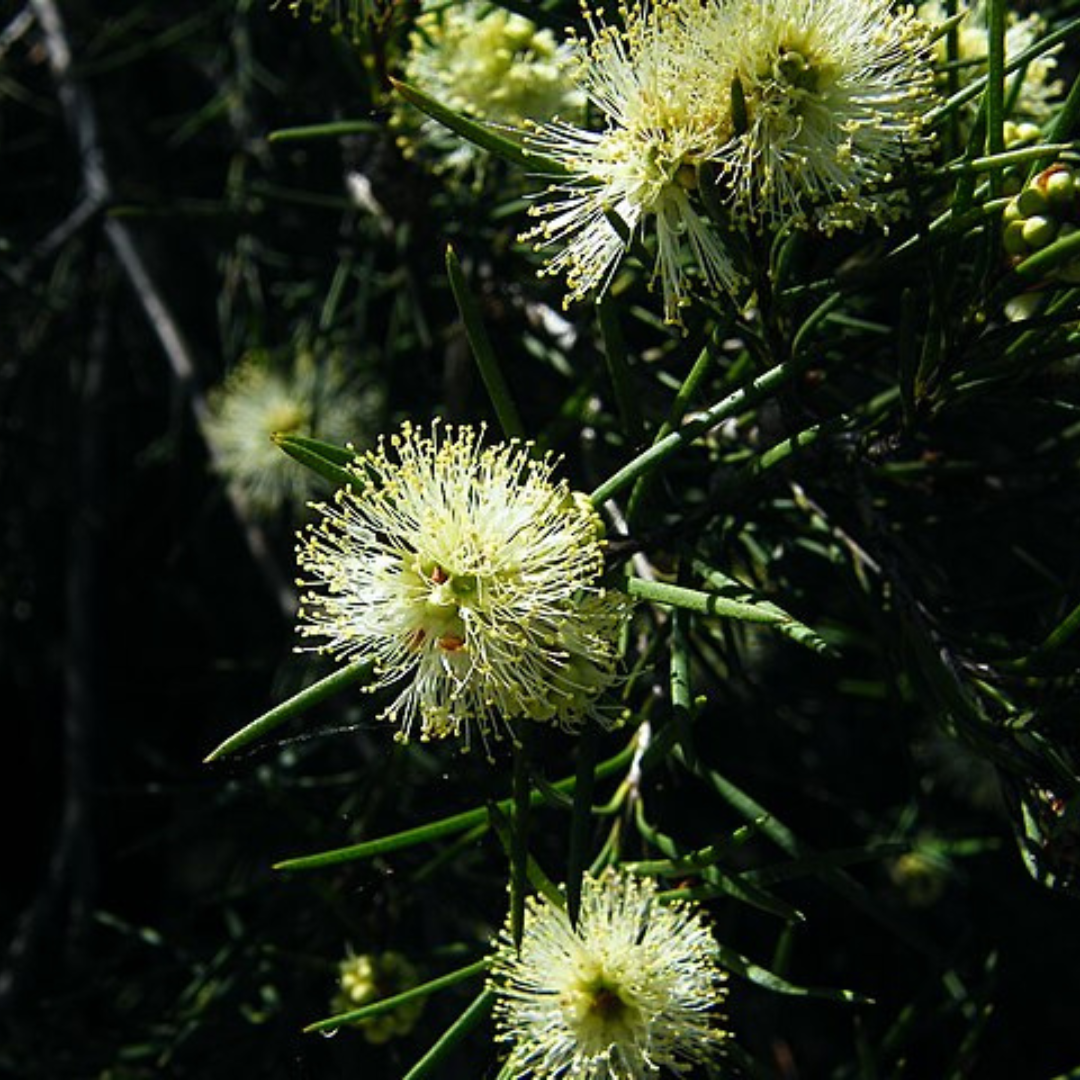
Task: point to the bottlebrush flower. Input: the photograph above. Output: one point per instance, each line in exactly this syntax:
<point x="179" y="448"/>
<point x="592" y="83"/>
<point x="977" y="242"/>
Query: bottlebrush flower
<point x="470" y="577"/>
<point x="632" y="988"/>
<point x="829" y="98"/>
<point x="1032" y="90"/>
<point x="258" y="400"/>
<point x="488" y="64"/>
<point x="654" y="89"/>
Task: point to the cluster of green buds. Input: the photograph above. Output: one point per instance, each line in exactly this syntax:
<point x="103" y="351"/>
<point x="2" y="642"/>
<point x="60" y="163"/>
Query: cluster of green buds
<point x="1020" y="133"/>
<point x="365" y="979"/>
<point x="1046" y="209"/>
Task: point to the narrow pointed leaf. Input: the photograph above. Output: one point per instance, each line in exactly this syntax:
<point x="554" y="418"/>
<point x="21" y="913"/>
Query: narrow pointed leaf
<point x="297" y="705"/>
<point x="389" y="1004"/>
<point x="334" y="130"/>
<point x="486" y="360"/>
<point x="518" y="838"/>
<point x="447" y="826"/>
<point x="837" y="879"/>
<point x="718" y="882"/>
<point x="709" y="603"/>
<point x="735" y="402"/>
<point x="532" y="871"/>
<point x="327" y="460"/>
<point x="769" y="980"/>
<point x="487" y="138"/>
<point x="1051" y="257"/>
<point x="693" y="862"/>
<point x="469" y="1019"/>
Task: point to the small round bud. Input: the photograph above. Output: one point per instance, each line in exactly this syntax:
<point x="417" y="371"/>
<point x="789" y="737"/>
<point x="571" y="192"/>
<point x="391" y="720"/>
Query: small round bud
<point x="1060" y="189"/>
<point x="1020" y="134"/>
<point x="1039" y="231"/>
<point x="1032" y="200"/>
<point x="1013" y="239"/>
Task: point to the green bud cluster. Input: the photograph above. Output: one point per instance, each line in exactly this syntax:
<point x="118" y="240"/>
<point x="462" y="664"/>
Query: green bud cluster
<point x="1046" y="209"/>
<point x="363" y="980"/>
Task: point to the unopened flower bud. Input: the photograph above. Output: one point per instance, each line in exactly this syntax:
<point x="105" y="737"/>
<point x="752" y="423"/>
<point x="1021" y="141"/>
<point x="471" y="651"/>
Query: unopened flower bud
<point x="1061" y="189"/>
<point x="365" y="979"/>
<point x="1032" y="200"/>
<point x="1013" y="239"/>
<point x="1020" y="134"/>
<point x="1039" y="231"/>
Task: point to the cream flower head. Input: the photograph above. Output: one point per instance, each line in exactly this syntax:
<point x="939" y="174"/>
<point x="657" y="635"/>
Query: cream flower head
<point x="634" y="987"/>
<point x="489" y="64"/>
<point x="653" y="88"/>
<point x="470" y="577"/>
<point x="259" y="399"/>
<point x="1033" y="90"/>
<point x="829" y="98"/>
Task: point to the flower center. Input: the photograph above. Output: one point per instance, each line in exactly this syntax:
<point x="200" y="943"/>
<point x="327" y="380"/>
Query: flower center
<point x="796" y="70"/>
<point x="440" y="616"/>
<point x="287" y="417"/>
<point x="599" y="1012"/>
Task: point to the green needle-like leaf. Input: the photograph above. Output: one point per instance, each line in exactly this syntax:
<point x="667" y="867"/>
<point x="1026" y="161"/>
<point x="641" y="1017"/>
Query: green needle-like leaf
<point x="519" y="838"/>
<point x="470" y="1018"/>
<point x="708" y="603"/>
<point x="333" y="130"/>
<point x="581" y="820"/>
<point x="327" y="460"/>
<point x="760" y="976"/>
<point x="487" y="138"/>
<point x="297" y="705"/>
<point x="995" y="86"/>
<point x="618" y="365"/>
<point x="694" y="862"/>
<point x="647" y="461"/>
<point x="837" y="879"/>
<point x="717" y="883"/>
<point x="448" y="826"/>
<point x="1051" y="257"/>
<point x="385" y="1005"/>
<point x="486" y="360"/>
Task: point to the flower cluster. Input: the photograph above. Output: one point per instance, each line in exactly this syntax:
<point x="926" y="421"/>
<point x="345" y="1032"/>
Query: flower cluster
<point x="1045" y="210"/>
<point x="259" y="400"/>
<point x="489" y="64"/>
<point x="633" y="987"/>
<point x="372" y="977"/>
<point x="750" y="111"/>
<point x="660" y="127"/>
<point x="832" y="96"/>
<point x="468" y="574"/>
<point x="1032" y="90"/>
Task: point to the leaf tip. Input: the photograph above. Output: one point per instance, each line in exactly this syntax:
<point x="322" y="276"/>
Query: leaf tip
<point x="217" y="752"/>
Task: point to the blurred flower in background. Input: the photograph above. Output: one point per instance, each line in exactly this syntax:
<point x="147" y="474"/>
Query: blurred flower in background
<point x="489" y="64"/>
<point x="1032" y="90"/>
<point x="260" y="399"/>
<point x="371" y="977"/>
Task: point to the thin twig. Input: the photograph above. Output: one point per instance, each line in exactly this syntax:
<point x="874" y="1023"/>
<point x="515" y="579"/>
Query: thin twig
<point x="15" y="30"/>
<point x="66" y="895"/>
